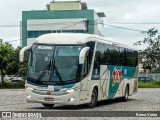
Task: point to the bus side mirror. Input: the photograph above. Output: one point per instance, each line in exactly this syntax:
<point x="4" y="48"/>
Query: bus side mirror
<point x="82" y="55"/>
<point x="21" y="53"/>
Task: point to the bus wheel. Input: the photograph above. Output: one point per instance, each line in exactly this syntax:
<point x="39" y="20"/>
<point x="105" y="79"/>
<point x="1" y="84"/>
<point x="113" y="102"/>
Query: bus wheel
<point x="125" y="97"/>
<point x="94" y="98"/>
<point x="48" y="105"/>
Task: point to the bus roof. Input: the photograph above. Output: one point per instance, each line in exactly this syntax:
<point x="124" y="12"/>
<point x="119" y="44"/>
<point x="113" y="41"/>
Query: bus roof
<point x="75" y="38"/>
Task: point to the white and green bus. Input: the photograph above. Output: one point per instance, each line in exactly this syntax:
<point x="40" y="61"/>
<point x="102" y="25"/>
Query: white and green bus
<point x="73" y="69"/>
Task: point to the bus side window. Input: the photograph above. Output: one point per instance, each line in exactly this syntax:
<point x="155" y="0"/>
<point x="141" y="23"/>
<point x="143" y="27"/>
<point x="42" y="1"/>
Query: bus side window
<point x="135" y="61"/>
<point x="91" y="51"/>
<point x="99" y="56"/>
<point x="86" y="66"/>
<point x="85" y="69"/>
<point x="108" y="55"/>
<point x="122" y="57"/>
<point x="125" y="57"/>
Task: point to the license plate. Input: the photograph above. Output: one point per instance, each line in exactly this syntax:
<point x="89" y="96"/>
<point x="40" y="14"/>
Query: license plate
<point x="48" y="99"/>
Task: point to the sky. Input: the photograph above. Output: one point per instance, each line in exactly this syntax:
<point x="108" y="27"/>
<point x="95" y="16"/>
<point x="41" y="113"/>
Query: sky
<point x="126" y="11"/>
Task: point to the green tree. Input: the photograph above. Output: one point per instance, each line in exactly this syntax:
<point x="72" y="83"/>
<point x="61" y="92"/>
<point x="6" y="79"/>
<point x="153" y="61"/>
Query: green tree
<point x="14" y="67"/>
<point x="6" y="53"/>
<point x="9" y="61"/>
<point x="23" y="66"/>
<point x="13" y="64"/>
<point x="151" y="54"/>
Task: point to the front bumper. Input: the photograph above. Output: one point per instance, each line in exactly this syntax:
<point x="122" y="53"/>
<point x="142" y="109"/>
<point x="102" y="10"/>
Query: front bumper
<point x="67" y="99"/>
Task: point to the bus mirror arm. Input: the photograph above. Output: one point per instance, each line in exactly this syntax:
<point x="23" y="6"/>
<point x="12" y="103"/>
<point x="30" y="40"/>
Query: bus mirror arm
<point x="82" y="55"/>
<point x="21" y="54"/>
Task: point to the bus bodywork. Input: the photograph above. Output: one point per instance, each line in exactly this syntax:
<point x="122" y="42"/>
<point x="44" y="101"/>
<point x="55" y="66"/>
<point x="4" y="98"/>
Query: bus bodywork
<point x="73" y="69"/>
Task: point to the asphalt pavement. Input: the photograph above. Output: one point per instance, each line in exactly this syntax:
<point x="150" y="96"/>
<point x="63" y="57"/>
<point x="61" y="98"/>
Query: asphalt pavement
<point x="144" y="100"/>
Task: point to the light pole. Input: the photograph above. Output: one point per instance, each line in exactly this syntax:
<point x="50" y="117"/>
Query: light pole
<point x="1" y="62"/>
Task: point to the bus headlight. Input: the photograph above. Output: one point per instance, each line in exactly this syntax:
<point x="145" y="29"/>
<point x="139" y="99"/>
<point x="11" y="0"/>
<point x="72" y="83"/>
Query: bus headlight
<point x="30" y="88"/>
<point x="72" y="90"/>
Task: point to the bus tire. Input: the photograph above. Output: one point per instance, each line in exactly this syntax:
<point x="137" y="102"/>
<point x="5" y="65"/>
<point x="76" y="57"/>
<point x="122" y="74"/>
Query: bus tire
<point x="48" y="105"/>
<point x="126" y="94"/>
<point x="94" y="98"/>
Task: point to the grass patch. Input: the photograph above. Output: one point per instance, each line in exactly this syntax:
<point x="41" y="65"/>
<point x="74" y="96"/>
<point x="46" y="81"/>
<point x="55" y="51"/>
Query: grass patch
<point x="10" y="85"/>
<point x="153" y="84"/>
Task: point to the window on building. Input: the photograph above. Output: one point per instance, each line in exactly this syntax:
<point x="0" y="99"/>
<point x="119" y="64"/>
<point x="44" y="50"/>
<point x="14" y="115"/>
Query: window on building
<point x="35" y="34"/>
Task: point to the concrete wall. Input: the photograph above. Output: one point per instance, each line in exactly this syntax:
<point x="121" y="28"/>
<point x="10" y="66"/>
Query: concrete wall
<point x="65" y="5"/>
<point x="98" y="26"/>
<point x="54" y="14"/>
<point x="56" y="24"/>
<point x="42" y="21"/>
<point x="42" y="25"/>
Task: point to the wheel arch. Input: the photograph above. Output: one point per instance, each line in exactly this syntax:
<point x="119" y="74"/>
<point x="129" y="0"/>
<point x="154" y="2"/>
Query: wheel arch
<point x="127" y="84"/>
<point x="96" y="88"/>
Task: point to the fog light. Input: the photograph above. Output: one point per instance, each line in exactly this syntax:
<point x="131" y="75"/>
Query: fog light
<point x="71" y="100"/>
<point x="28" y="96"/>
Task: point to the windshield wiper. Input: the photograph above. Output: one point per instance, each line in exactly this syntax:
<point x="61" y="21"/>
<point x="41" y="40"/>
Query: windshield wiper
<point x="43" y="72"/>
<point x="46" y="69"/>
<point x="57" y="72"/>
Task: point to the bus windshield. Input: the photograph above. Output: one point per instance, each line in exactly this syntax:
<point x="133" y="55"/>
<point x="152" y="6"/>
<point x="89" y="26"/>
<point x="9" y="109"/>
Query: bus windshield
<point x="50" y="64"/>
